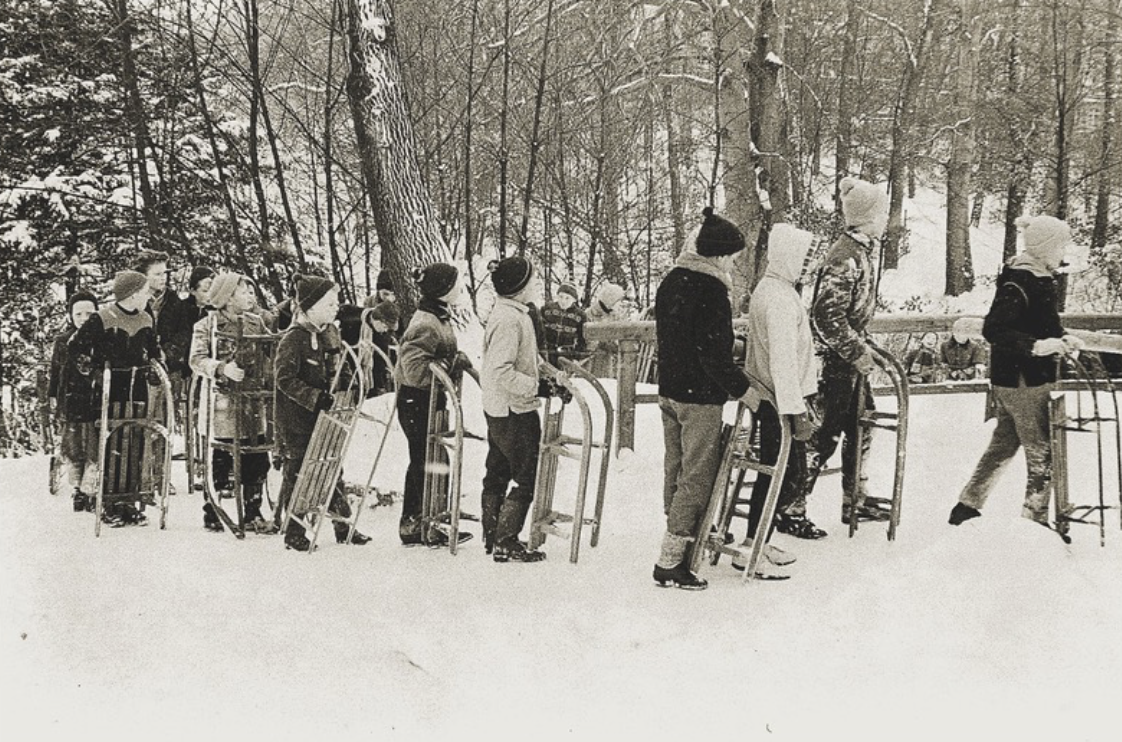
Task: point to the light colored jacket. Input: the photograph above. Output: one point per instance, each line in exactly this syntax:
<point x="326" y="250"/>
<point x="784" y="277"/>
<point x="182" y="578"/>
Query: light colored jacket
<point x="427" y="339"/>
<point x="206" y="363"/>
<point x="781" y="362"/>
<point x="509" y="374"/>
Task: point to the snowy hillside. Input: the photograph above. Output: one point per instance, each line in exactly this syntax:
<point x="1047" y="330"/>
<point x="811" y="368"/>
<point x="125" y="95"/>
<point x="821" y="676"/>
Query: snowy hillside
<point x="994" y="628"/>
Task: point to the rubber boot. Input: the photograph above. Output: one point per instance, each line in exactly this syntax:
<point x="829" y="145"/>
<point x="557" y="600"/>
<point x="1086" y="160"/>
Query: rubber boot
<point x="492" y="504"/>
<point x="512" y="517"/>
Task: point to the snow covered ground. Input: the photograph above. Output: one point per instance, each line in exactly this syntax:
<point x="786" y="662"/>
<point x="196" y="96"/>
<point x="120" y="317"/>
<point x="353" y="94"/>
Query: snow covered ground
<point x="995" y="627"/>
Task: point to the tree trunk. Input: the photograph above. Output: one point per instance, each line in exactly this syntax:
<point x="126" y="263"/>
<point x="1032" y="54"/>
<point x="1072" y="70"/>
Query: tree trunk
<point x="847" y="104"/>
<point x="960" y="270"/>
<point x="504" y="150"/>
<point x="903" y="122"/>
<point x="1104" y="179"/>
<point x="674" y="162"/>
<point x="403" y="212"/>
<point x="535" y="133"/>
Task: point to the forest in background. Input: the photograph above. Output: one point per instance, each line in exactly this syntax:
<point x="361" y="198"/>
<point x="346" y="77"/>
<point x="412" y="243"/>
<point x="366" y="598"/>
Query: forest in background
<point x="346" y="136"/>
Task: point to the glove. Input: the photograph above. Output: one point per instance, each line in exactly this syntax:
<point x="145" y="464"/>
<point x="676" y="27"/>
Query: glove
<point x="324" y="401"/>
<point x="1049" y="347"/>
<point x="233" y="371"/>
<point x="801" y="427"/>
<point x="1073" y="343"/>
<point x="562" y="393"/>
<point x="865" y="364"/>
<point x="545" y="388"/>
<point x="461" y="362"/>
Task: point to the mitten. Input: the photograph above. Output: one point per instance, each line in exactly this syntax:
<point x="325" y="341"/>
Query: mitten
<point x="1049" y="347"/>
<point x="324" y="401"/>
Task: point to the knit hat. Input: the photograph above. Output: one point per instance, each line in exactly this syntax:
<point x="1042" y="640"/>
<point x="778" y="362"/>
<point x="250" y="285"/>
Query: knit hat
<point x="609" y="294"/>
<point x="436" y="280"/>
<point x="385" y="281"/>
<point x="1043" y="234"/>
<point x="386" y="313"/>
<point x="310" y="289"/>
<point x="717" y="236"/>
<point x="127" y="283"/>
<point x="570" y="289"/>
<point x="510" y="275"/>
<point x="864" y="205"/>
<point x="223" y="288"/>
<point x="198" y="275"/>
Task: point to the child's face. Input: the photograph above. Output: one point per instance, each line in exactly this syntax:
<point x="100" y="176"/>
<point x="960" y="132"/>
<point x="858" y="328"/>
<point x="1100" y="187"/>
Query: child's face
<point x="243" y="299"/>
<point x="326" y="309"/>
<point x="928" y="341"/>
<point x="386" y="295"/>
<point x="379" y="326"/>
<point x="157" y="277"/>
<point x="202" y="290"/>
<point x="136" y="302"/>
<point x="81" y="311"/>
<point x="565" y="301"/>
<point x="454" y="295"/>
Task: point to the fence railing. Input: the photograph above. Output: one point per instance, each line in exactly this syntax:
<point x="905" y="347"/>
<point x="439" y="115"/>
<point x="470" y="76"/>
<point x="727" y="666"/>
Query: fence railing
<point x="634" y="342"/>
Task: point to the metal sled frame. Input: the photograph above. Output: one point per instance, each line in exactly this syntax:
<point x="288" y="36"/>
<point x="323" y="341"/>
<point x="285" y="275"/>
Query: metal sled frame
<point x="158" y="429"/>
<point x="323" y="461"/>
<point x="367" y="346"/>
<point x="897" y="422"/>
<point x="260" y="395"/>
<point x="1060" y="425"/>
<point x="440" y="506"/>
<point x="737" y="459"/>
<point x="555" y="445"/>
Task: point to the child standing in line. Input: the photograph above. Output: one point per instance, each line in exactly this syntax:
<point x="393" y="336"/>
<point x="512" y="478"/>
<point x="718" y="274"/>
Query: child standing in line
<point x="70" y="392"/>
<point x="307" y="357"/>
<point x="510" y="382"/>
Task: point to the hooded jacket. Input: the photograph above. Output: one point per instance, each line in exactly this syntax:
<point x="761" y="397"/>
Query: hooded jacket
<point x="781" y="363"/>
<point x="207" y="363"/>
<point x="845" y="297"/>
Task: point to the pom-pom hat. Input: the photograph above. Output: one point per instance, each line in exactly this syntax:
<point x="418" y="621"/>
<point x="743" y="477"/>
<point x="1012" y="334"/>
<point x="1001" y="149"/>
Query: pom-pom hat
<point x="511" y="275"/>
<point x="717" y="236"/>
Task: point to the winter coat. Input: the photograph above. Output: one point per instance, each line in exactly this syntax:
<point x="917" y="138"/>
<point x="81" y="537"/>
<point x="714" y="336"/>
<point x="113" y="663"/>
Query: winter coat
<point x="209" y="364"/>
<point x="693" y="321"/>
<point x="121" y="339"/>
<point x="509" y="374"/>
<point x="428" y="338"/>
<point x="781" y="360"/>
<point x="305" y="365"/>
<point x="563" y="328"/>
<point x="173" y="327"/>
<point x="56" y="381"/>
<point x="845" y="297"/>
<point x="920" y="365"/>
<point x="962" y="357"/>
<point x="1024" y="310"/>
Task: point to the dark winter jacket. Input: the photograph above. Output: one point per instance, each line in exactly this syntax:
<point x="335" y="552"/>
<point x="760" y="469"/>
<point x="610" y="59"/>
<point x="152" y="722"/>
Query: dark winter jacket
<point x="693" y="320"/>
<point x="174" y="328"/>
<point x="920" y="365"/>
<point x="193" y="311"/>
<point x="845" y="297"/>
<point x="123" y="340"/>
<point x="306" y="361"/>
<point x="428" y="338"/>
<point x="563" y="329"/>
<point x="56" y="381"/>
<point x="1024" y="310"/>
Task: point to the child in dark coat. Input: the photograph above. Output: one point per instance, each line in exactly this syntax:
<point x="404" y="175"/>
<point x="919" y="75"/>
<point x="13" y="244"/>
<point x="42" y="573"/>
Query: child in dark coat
<point x="79" y="434"/>
<point x="307" y="358"/>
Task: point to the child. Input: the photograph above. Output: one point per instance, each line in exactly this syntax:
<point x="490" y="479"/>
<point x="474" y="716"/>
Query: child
<point x="307" y="357"/>
<point x="922" y="363"/>
<point x="70" y="393"/>
<point x="845" y="298"/>
<point x="605" y="308"/>
<point x="563" y="325"/>
<point x="383" y="320"/>
<point x="962" y="357"/>
<point x="428" y="339"/>
<point x="696" y="376"/>
<point x="231" y="296"/>
<point x="123" y="335"/>
<point x="510" y="382"/>
<point x="1025" y="334"/>
<point x="782" y="370"/>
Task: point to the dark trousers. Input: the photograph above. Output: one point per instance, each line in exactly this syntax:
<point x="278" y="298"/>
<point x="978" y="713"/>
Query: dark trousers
<point x="255" y="468"/>
<point x="838" y="415"/>
<point x="413" y="414"/>
<point x="770" y="435"/>
<point x="512" y="455"/>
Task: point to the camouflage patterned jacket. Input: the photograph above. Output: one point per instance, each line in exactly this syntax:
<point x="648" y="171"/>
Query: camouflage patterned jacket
<point x="845" y="297"/>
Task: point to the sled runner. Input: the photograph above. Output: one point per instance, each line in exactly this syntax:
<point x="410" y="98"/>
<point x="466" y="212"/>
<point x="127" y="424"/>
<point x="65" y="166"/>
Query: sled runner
<point x="323" y="462"/>
<point x="133" y="465"/>
<point x="250" y="404"/>
<point x="897" y="422"/>
<point x="555" y="445"/>
<point x="739" y="456"/>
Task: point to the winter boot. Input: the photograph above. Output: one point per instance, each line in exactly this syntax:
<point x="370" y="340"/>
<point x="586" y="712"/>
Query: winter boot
<point x="512" y="517"/>
<point x="409" y="530"/>
<point x="515" y="551"/>
<point x="294" y="537"/>
<point x="210" y="519"/>
<point x="865" y="513"/>
<point x="961" y="513"/>
<point x="673" y="568"/>
<point x="254" y="521"/>
<point x="492" y="504"/>
<point x="357" y="539"/>
<point x="798" y="526"/>
<point x="81" y="501"/>
<point x="771" y="553"/>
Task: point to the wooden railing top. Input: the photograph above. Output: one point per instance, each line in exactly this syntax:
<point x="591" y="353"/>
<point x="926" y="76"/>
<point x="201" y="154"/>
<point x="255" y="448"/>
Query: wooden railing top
<point x="644" y="331"/>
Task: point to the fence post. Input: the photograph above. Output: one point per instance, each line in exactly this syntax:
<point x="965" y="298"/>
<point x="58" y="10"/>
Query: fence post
<point x="628" y="374"/>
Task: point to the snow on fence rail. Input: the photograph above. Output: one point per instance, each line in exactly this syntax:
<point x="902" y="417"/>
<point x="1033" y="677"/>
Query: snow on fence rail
<point x="633" y="341"/>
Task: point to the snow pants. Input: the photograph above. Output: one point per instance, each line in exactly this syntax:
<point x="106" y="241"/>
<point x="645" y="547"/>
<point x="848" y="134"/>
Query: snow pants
<point x="838" y="415"/>
<point x="770" y="433"/>
<point x="1022" y="420"/>
<point x="691" y="434"/>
